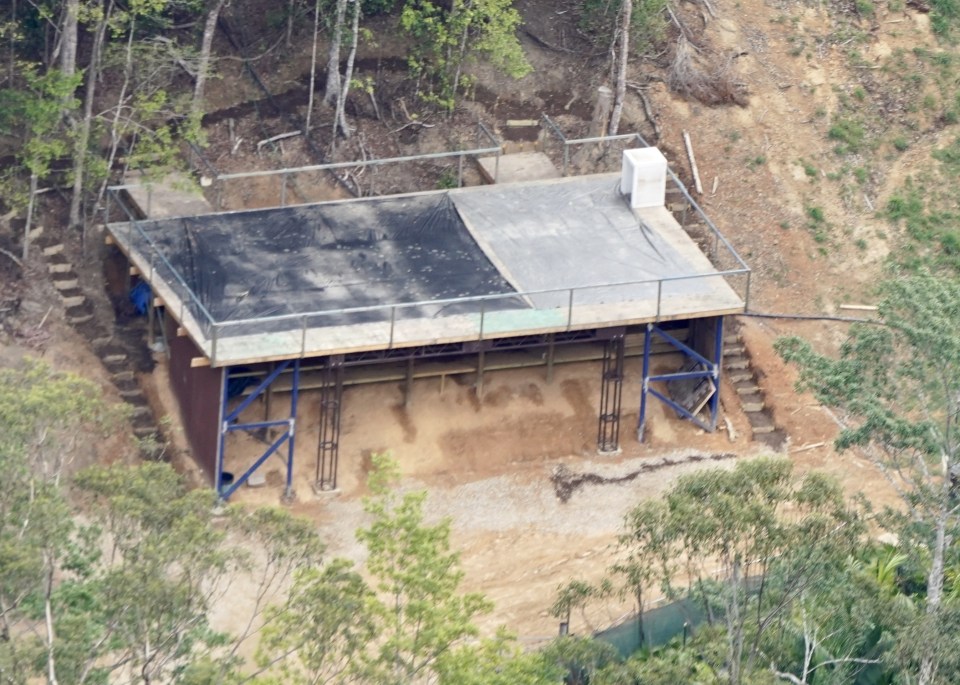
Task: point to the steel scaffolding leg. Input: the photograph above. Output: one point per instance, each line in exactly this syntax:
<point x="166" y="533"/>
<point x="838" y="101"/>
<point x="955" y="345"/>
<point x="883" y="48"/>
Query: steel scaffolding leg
<point x="611" y="391"/>
<point x="230" y="421"/>
<point x="331" y="400"/>
<point x="703" y="369"/>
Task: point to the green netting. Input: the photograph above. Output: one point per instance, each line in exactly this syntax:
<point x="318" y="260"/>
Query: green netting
<point x="660" y="625"/>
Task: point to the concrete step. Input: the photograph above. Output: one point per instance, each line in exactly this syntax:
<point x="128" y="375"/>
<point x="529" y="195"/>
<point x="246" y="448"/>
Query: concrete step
<point x="79" y="313"/>
<point x="731" y="338"/>
<point x="736" y="363"/>
<point x="734" y="350"/>
<point x="140" y="410"/>
<point x="752" y="402"/>
<point x="740" y="375"/>
<point x="112" y="354"/>
<point x="56" y="248"/>
<point x="35" y="232"/>
<point x="121" y="375"/>
<point x="66" y="281"/>
<point x="146" y="431"/>
<point x="760" y="422"/>
<point x="72" y="297"/>
<point x="59" y="264"/>
<point x="746" y="386"/>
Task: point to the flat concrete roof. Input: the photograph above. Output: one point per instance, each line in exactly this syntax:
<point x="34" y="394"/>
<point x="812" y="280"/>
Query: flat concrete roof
<point x="426" y="268"/>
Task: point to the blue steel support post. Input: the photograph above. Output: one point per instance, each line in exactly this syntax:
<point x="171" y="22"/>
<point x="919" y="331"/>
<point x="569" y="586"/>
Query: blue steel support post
<point x="222" y="429"/>
<point x="717" y="365"/>
<point x="294" y="391"/>
<point x="645" y="382"/>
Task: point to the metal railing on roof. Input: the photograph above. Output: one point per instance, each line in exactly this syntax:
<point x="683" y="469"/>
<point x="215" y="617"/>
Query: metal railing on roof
<point x="213" y="330"/>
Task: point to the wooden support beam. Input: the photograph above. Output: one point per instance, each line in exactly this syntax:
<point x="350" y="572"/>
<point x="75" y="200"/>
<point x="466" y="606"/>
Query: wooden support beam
<point x="108" y="240"/>
<point x="199" y="362"/>
<point x="181" y="332"/>
<point x="158" y="302"/>
<point x="134" y="271"/>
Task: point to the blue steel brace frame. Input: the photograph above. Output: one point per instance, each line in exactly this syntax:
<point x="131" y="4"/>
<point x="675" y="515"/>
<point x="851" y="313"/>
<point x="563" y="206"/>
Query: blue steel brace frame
<point x="710" y="369"/>
<point x="229" y="421"/>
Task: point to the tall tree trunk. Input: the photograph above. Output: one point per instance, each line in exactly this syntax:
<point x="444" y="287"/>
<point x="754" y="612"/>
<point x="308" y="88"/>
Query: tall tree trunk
<point x="332" y="91"/>
<point x="11" y="58"/>
<point x="206" y="48"/>
<point x="83" y="135"/>
<point x="341" y="118"/>
<point x="626" y="13"/>
<point x="115" y="136"/>
<point x="48" y="619"/>
<point x="68" y="38"/>
<point x="935" y="581"/>
<point x="29" y="223"/>
<point x="313" y="67"/>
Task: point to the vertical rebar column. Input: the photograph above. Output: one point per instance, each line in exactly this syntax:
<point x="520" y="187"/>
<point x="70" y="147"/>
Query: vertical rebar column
<point x="611" y="391"/>
<point x="328" y="447"/>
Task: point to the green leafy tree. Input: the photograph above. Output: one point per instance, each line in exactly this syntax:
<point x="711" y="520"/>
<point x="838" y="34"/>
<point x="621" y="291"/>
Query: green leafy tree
<point x="496" y="661"/>
<point x="317" y="635"/>
<point x="42" y="413"/>
<point x="33" y="113"/>
<point x="747" y="543"/>
<point x="420" y="615"/>
<point x="897" y="388"/>
<point x="165" y="562"/>
<point x="444" y="37"/>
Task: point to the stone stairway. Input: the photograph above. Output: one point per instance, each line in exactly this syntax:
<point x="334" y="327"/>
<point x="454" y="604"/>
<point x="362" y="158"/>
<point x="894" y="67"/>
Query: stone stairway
<point x="738" y="368"/>
<point x="80" y="312"/>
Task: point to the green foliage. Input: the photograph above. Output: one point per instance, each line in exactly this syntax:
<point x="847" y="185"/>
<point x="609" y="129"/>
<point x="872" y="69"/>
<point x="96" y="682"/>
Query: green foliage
<point x="325" y="623"/>
<point x="935" y="232"/>
<point x="444" y="39"/>
<point x="849" y="134"/>
<point x="899" y="386"/>
<point x="729" y="533"/>
<point x="817" y="224"/>
<point x="41" y="412"/>
<point x="950" y="157"/>
<point x="33" y="114"/>
<point x="497" y="661"/>
<point x="648" y="23"/>
<point x="695" y="661"/>
<point x="422" y="614"/>
<point x="943" y="19"/>
<point x="581" y="658"/>
<point x="165" y="562"/>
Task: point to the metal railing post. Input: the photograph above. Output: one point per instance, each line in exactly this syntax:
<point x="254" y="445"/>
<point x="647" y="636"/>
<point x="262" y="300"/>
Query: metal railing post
<point x="393" y="322"/>
<point x="214" y="335"/>
<point x="570" y="310"/>
<point x="659" y="298"/>
<point x="303" y="336"/>
<point x="460" y="171"/>
<point x="283" y="190"/>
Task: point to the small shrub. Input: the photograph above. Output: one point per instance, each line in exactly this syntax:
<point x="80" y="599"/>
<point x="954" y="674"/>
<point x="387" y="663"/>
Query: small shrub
<point x="850" y="133"/>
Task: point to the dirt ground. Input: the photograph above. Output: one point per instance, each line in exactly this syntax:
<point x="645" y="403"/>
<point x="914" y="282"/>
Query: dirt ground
<point x="487" y="463"/>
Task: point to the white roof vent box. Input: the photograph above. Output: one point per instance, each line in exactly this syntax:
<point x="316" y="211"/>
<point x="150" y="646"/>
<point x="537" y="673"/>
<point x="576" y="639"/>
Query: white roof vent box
<point x="644" y="177"/>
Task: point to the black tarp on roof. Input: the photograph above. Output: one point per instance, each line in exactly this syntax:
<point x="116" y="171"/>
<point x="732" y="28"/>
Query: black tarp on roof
<point x="293" y="260"/>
